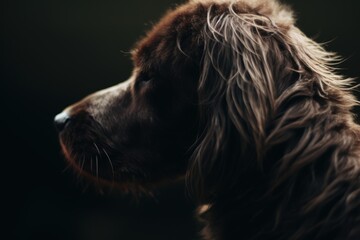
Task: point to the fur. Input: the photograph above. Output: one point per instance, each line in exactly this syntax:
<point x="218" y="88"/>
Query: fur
<point x="233" y="96"/>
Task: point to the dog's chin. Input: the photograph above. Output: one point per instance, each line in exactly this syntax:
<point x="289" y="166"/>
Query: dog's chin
<point x="98" y="163"/>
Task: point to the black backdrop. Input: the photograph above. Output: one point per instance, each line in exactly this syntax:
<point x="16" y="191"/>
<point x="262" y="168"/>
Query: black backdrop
<point x="55" y="52"/>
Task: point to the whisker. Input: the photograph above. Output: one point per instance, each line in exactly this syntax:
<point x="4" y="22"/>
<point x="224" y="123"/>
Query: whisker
<point x="111" y="165"/>
<point x="97" y="167"/>
<point x="82" y="164"/>
<point x="97" y="148"/>
<point x="97" y="173"/>
<point x="91" y="164"/>
<point x="68" y="166"/>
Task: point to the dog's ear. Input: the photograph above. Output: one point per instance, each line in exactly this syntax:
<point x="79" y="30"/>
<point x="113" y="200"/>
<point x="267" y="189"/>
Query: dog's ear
<point x="244" y="55"/>
<point x="236" y="96"/>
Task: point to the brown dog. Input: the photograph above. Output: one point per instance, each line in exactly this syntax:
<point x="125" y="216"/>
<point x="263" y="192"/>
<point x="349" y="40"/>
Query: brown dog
<point x="231" y="95"/>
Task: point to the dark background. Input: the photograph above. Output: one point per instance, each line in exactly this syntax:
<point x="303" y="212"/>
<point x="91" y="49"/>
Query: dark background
<point x="54" y="53"/>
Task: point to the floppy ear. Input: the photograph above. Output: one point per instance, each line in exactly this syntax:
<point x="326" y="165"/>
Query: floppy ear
<point x="236" y="95"/>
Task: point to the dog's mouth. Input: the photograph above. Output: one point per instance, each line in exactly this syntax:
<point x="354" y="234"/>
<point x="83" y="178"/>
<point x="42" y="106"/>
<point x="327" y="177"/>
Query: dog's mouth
<point x="86" y="148"/>
<point x="92" y="154"/>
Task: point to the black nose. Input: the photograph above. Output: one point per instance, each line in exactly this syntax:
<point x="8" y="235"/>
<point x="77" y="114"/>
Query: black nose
<point x="61" y="120"/>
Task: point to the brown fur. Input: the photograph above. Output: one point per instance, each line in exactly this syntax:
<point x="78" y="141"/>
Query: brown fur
<point x="236" y="98"/>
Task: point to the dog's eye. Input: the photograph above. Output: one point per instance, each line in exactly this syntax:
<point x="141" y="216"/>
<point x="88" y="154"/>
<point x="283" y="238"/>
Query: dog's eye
<point x="145" y="78"/>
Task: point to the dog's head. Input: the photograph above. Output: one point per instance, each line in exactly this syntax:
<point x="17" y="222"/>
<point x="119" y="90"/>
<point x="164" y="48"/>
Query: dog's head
<point x="214" y="87"/>
<point x="140" y="131"/>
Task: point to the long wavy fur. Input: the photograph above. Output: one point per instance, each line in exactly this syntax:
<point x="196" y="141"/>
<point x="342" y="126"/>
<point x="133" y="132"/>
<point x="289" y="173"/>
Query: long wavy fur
<point x="278" y="138"/>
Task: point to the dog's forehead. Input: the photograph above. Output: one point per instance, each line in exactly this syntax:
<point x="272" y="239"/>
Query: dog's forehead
<point x="160" y="42"/>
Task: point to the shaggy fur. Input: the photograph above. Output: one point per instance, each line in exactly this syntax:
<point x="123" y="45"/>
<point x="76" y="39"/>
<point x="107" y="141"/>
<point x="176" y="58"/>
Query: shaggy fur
<point x="233" y="96"/>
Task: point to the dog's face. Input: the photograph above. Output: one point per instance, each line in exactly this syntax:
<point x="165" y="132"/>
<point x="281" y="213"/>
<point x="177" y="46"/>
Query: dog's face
<point x="138" y="132"/>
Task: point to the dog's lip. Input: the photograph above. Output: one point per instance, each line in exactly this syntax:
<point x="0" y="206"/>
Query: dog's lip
<point x="65" y="150"/>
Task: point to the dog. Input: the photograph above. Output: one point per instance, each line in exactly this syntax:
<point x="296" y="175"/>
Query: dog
<point x="232" y="97"/>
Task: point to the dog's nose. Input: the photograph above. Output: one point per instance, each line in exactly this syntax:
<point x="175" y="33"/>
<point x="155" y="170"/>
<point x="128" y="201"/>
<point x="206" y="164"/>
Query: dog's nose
<point x="61" y="120"/>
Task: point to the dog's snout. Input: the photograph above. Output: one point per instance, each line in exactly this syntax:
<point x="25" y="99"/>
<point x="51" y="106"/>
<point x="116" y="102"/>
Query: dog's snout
<point x="61" y="120"/>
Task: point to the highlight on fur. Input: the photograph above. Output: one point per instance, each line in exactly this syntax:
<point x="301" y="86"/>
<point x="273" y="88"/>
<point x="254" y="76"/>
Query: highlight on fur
<point x="251" y="111"/>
